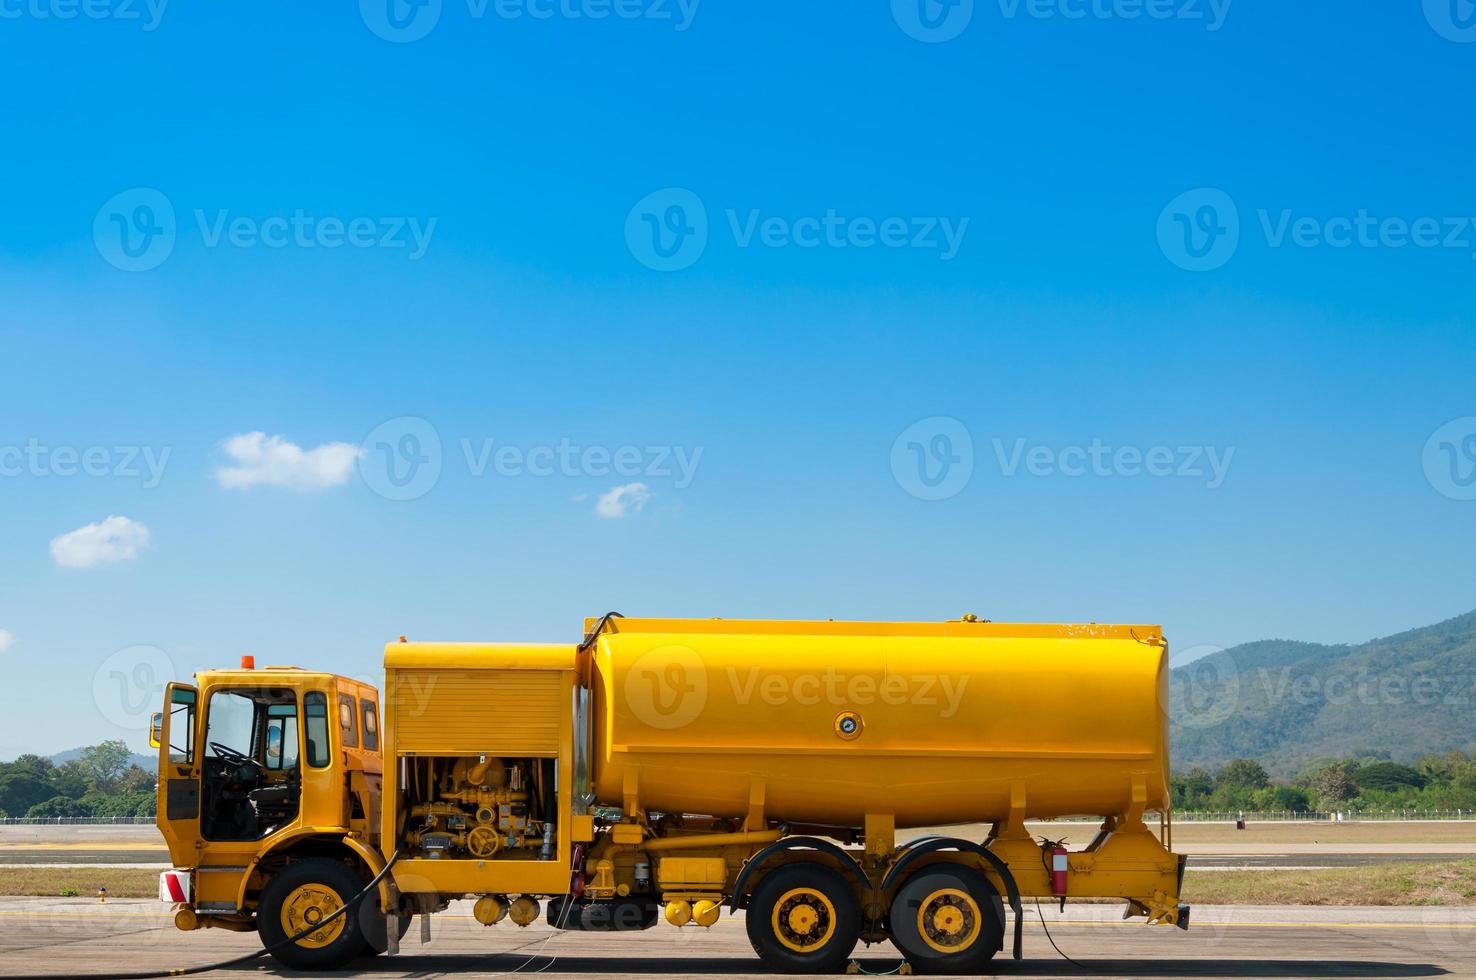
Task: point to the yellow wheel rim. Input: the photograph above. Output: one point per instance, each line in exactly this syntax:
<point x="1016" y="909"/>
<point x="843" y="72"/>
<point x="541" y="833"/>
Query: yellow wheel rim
<point x="306" y="906"/>
<point x="803" y="919"/>
<point x="949" y="920"/>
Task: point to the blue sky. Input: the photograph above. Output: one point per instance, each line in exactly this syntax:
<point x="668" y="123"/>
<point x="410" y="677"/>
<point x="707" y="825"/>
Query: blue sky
<point x="507" y="177"/>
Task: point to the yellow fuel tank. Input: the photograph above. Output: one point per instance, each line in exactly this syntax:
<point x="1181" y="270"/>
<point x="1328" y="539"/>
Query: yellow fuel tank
<point x="935" y="723"/>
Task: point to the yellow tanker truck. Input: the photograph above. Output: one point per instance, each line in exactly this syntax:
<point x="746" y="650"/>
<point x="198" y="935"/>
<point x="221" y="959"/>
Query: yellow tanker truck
<point x="679" y="769"/>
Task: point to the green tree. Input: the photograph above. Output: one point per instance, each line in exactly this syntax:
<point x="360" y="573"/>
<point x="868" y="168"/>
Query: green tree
<point x="137" y="779"/>
<point x="104" y="764"/>
<point x="1389" y="777"/>
<point x="1243" y="774"/>
<point x="59" y="806"/>
<point x="1282" y="798"/>
<point x="37" y="765"/>
<point x="70" y="779"/>
<point x="1333" y="785"/>
<point x="20" y="790"/>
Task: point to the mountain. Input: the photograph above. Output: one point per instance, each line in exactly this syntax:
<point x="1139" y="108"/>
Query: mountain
<point x="148" y="762"/>
<point x="1284" y="703"/>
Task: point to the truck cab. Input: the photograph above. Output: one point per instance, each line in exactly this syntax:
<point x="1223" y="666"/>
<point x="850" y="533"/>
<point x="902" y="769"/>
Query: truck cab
<point x="260" y="771"/>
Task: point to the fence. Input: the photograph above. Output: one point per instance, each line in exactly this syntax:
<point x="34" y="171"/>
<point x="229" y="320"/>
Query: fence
<point x="1191" y="816"/>
<point x="41" y="821"/>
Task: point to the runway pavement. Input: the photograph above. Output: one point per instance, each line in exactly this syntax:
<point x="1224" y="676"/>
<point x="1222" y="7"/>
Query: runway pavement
<point x="63" y="938"/>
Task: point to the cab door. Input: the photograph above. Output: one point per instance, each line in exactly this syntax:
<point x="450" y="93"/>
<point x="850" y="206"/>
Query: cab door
<point x="176" y="733"/>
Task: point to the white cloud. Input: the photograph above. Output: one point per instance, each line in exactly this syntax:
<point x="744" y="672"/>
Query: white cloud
<point x="7" y="640"/>
<point x="623" y="500"/>
<point x="112" y="540"/>
<point x="274" y="462"/>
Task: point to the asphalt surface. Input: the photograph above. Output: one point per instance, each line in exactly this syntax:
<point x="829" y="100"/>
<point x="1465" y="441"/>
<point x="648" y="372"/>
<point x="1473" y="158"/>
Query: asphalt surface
<point x="66" y="938"/>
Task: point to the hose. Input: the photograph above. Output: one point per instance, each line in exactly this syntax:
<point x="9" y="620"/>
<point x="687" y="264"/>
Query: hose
<point x="239" y="960"/>
<point x="1047" y="929"/>
<point x="599" y="628"/>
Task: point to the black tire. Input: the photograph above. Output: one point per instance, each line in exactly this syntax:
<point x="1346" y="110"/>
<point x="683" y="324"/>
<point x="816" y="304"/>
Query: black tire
<point x="948" y="919"/>
<point x="336" y="883"/>
<point x="804" y="896"/>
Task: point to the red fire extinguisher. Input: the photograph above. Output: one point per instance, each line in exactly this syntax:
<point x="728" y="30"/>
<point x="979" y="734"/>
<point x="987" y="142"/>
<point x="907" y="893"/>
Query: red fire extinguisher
<point x="1055" y="855"/>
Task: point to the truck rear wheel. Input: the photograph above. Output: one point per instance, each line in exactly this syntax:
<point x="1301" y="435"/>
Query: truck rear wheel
<point x="302" y="894"/>
<point x="947" y="918"/>
<point x="804" y="918"/>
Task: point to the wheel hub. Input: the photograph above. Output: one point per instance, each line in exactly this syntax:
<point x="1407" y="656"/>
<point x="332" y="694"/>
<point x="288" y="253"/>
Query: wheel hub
<point x="307" y="906"/>
<point x="949" y="920"/>
<point x="804" y="919"/>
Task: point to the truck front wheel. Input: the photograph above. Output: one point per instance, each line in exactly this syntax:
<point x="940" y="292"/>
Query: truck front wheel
<point x="804" y="918"/>
<point x="301" y="895"/>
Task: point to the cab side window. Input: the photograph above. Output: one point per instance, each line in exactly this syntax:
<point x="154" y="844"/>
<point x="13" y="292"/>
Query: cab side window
<point x="182" y="727"/>
<point x="348" y="725"/>
<point x="315" y="710"/>
<point x="370" y="716"/>
<point x="281" y="736"/>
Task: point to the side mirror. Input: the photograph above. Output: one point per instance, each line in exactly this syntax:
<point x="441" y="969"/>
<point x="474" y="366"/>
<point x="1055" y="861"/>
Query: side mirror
<point x="156" y="729"/>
